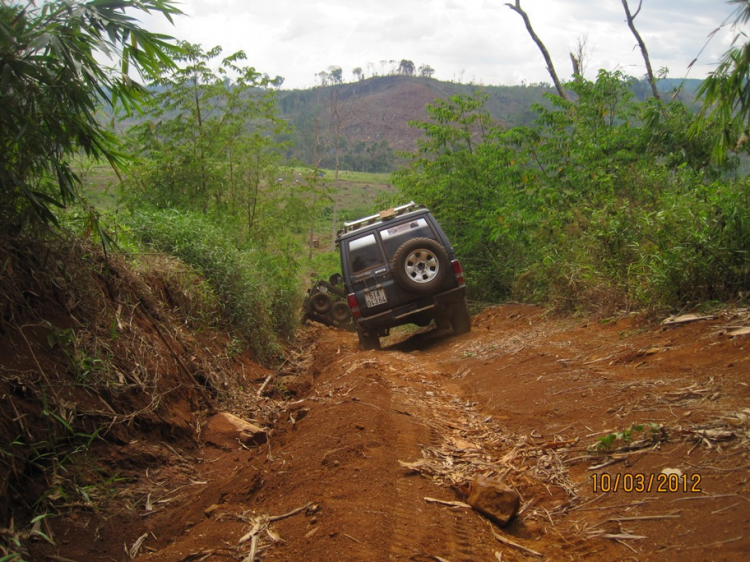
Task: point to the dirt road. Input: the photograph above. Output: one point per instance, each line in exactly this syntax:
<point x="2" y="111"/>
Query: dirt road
<point x="585" y="420"/>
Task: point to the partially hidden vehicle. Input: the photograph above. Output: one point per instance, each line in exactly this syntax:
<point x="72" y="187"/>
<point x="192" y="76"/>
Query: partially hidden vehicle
<point x="325" y="302"/>
<point x="399" y="268"/>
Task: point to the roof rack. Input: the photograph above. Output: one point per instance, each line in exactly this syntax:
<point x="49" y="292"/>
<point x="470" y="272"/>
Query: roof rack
<point x="381" y="216"/>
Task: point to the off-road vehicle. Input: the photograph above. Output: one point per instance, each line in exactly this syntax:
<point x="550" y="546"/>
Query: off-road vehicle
<point x="399" y="268"/>
<point x="325" y="302"/>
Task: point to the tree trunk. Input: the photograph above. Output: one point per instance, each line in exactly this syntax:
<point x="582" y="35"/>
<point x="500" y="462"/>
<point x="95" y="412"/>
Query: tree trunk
<point x="201" y="148"/>
<point x="642" y="45"/>
<point x="311" y="237"/>
<point x="542" y="48"/>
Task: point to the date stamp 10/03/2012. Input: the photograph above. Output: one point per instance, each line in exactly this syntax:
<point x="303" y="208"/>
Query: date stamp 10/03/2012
<point x="641" y="482"/>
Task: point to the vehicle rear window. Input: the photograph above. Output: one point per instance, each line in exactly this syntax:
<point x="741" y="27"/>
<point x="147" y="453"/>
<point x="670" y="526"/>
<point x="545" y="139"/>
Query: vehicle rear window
<point x="364" y="253"/>
<point x="395" y="236"/>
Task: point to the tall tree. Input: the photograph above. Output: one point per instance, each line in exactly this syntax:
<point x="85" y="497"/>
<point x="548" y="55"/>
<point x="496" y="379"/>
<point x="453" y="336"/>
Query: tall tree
<point x="52" y="85"/>
<point x="547" y="59"/>
<point x="426" y="71"/>
<point x="208" y="144"/>
<point x="646" y="59"/>
<point x="406" y="67"/>
<point x="579" y="55"/>
<point x="335" y="74"/>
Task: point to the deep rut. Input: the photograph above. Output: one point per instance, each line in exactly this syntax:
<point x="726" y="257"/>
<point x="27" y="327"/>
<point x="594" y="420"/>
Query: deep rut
<point x="416" y="398"/>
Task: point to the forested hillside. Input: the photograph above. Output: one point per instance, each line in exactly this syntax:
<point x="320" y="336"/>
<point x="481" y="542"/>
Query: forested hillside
<point x="370" y="117"/>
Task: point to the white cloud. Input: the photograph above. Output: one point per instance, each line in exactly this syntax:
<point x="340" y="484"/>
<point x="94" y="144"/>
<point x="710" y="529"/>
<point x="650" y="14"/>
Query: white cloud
<point x="479" y="40"/>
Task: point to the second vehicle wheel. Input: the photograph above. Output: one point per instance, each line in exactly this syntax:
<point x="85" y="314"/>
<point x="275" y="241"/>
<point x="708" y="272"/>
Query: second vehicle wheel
<point x="320" y="302"/>
<point x="420" y="265"/>
<point x="340" y="312"/>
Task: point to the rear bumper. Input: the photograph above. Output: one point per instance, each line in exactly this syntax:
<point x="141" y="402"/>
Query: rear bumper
<point x="429" y="306"/>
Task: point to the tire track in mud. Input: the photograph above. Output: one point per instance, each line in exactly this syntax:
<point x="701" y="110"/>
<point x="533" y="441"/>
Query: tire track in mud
<point x="450" y="534"/>
<point x="408" y="539"/>
<point x="511" y="401"/>
<point x="435" y="438"/>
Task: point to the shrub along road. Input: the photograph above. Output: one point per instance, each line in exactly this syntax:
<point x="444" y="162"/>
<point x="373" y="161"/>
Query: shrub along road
<point x="625" y="439"/>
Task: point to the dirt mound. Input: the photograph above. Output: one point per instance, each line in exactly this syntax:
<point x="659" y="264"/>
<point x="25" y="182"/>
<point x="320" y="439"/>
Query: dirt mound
<point x="623" y="439"/>
<point x="105" y="372"/>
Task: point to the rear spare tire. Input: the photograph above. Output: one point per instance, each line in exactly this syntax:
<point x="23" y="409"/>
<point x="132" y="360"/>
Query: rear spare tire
<point x="420" y="266"/>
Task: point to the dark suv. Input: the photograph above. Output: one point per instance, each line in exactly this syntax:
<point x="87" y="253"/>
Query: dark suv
<point x="399" y="268"/>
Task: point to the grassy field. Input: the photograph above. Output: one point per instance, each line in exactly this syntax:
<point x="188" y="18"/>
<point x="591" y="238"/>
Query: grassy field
<point x="100" y="185"/>
<point x="356" y="194"/>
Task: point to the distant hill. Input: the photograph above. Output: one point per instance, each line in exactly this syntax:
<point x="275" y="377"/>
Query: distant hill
<point x="688" y="86"/>
<point x="373" y="115"/>
<point x="370" y="118"/>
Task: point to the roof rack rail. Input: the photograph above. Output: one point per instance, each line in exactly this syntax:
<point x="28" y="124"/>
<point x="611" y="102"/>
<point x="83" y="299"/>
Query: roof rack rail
<point x="381" y="216"/>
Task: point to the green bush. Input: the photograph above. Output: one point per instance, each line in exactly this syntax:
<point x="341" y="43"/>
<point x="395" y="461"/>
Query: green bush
<point x="700" y="245"/>
<point x="257" y="290"/>
<point x="605" y="204"/>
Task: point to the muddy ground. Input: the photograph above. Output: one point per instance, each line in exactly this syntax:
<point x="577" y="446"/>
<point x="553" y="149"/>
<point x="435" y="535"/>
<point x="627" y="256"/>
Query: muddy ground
<point x="580" y="417"/>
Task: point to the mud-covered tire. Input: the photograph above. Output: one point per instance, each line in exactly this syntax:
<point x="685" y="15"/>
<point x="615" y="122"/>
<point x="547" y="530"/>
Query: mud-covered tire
<point x="420" y="266"/>
<point x="460" y="318"/>
<point x="368" y="340"/>
<point x="340" y="312"/>
<point x="320" y="303"/>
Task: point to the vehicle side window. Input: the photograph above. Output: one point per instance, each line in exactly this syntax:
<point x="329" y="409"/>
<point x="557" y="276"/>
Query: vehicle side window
<point x="395" y="236"/>
<point x="364" y="253"/>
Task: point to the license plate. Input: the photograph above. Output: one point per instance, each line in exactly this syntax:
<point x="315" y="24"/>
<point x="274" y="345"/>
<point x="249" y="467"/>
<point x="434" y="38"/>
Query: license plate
<point x="374" y="298"/>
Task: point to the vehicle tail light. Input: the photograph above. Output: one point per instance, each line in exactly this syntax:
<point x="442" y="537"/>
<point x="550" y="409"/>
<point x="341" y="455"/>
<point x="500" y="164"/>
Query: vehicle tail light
<point x="458" y="272"/>
<point x="351" y="299"/>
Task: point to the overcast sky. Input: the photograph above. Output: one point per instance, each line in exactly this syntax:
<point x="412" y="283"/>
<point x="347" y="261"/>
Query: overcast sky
<point x="471" y="41"/>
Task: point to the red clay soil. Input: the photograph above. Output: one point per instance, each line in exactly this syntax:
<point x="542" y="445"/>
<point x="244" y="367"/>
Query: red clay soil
<point x="587" y="421"/>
